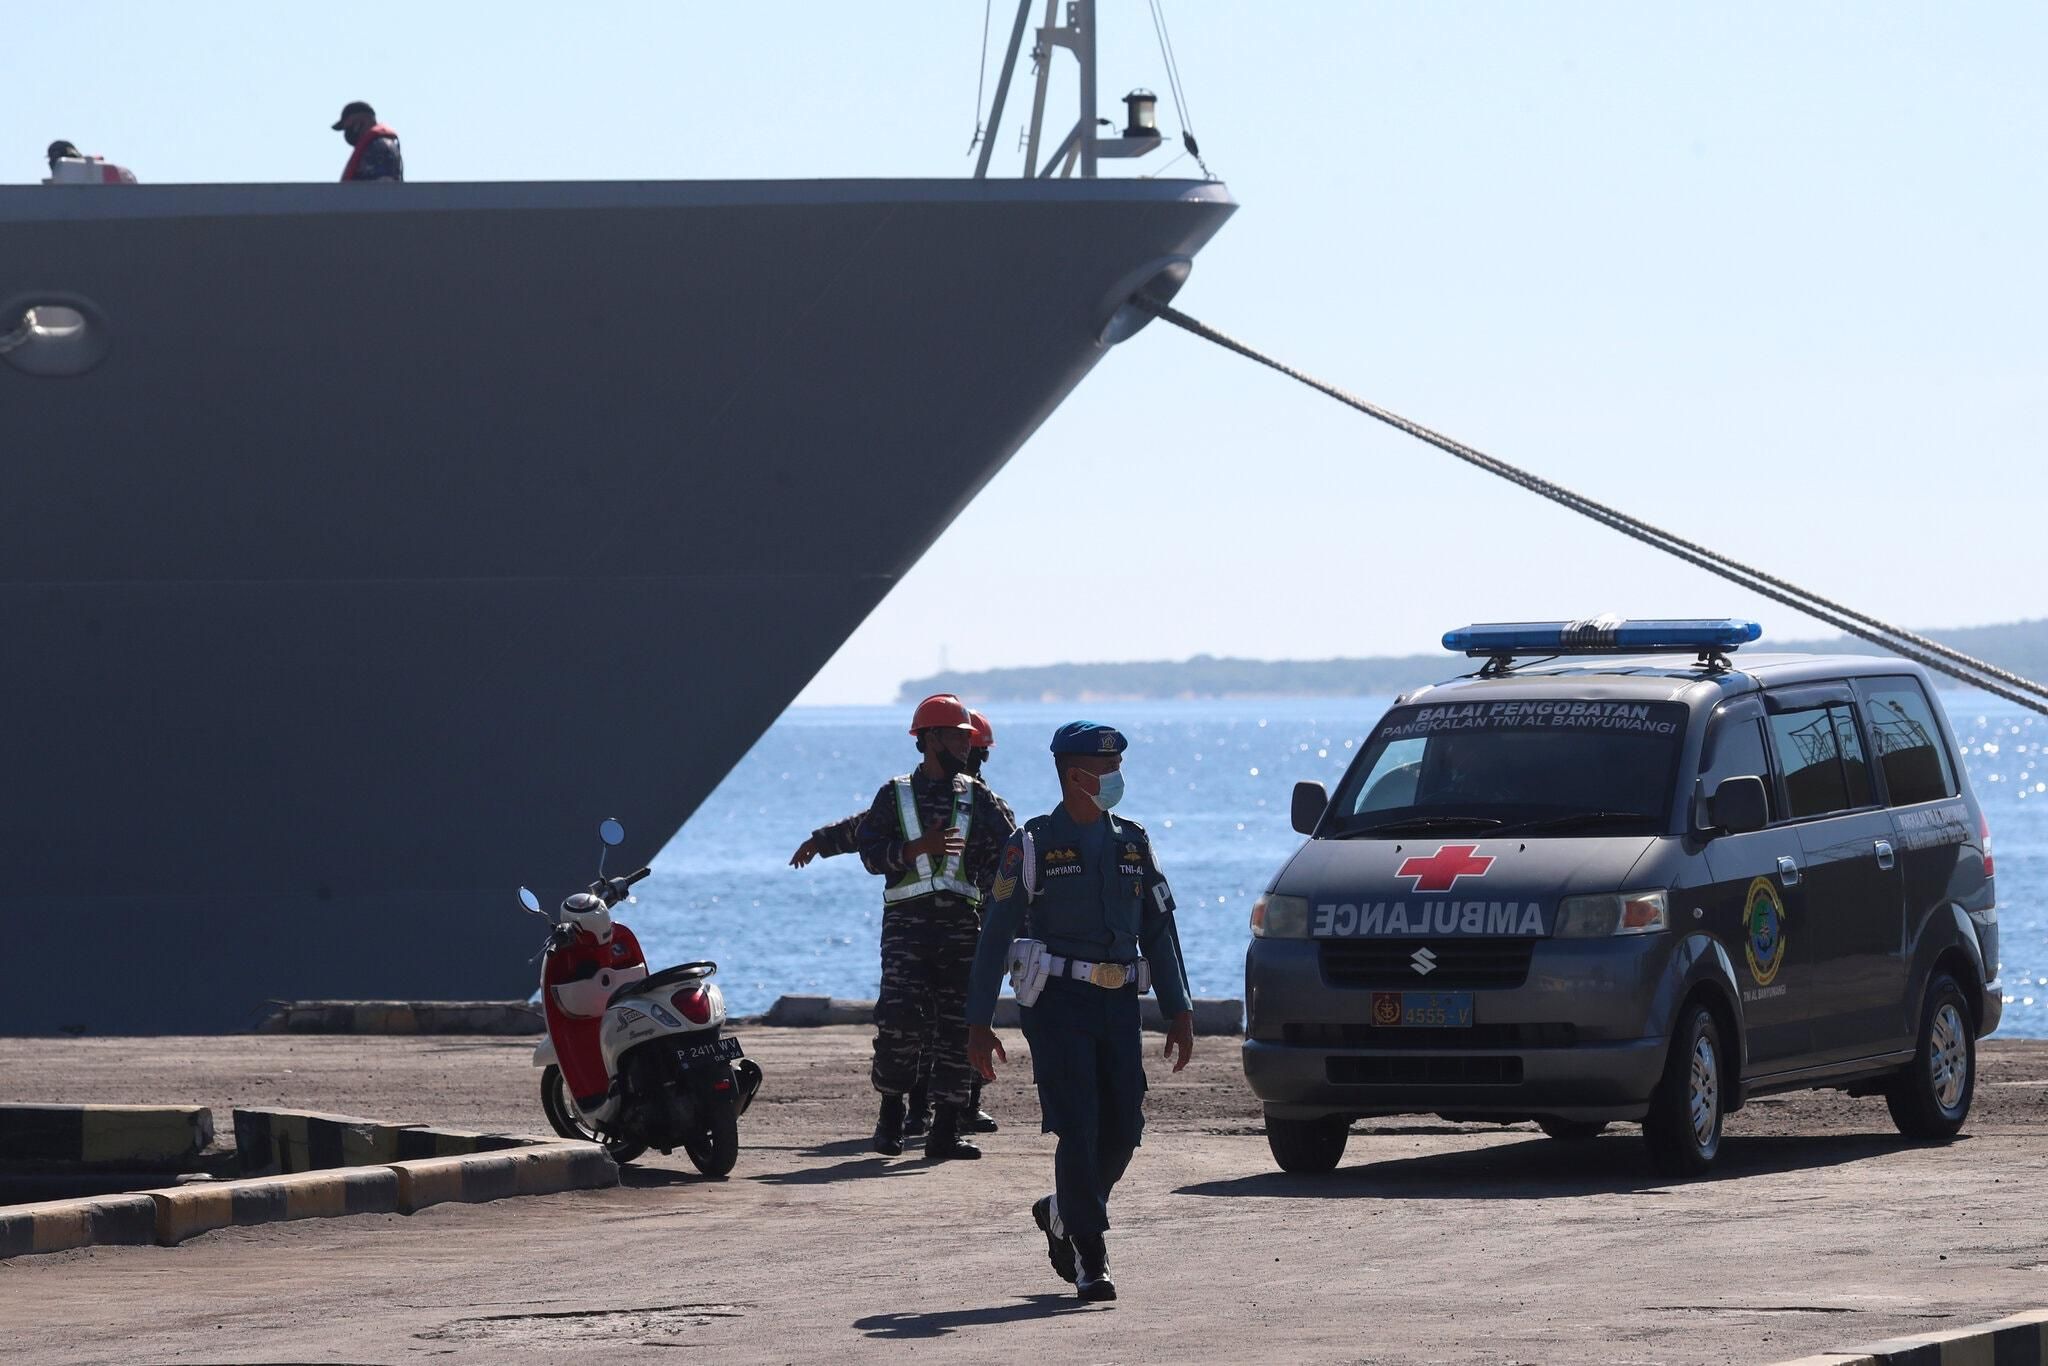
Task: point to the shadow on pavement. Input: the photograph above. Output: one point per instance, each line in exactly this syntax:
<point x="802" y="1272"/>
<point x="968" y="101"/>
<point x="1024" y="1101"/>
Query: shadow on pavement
<point x="844" y="1171"/>
<point x="653" y="1178"/>
<point x="900" y="1327"/>
<point x="1544" y="1169"/>
<point x="844" y="1147"/>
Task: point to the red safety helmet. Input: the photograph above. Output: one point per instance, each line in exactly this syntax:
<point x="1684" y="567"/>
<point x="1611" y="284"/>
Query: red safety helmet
<point x="984" y="734"/>
<point x="940" y="711"/>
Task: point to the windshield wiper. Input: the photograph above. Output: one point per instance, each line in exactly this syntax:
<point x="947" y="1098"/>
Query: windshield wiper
<point x="1426" y="823"/>
<point x="1577" y="818"/>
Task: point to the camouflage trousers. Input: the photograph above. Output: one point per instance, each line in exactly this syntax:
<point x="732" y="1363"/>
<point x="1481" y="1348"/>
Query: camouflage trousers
<point x="927" y="951"/>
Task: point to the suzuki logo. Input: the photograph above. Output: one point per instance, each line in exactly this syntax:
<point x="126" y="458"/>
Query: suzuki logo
<point x="1424" y="962"/>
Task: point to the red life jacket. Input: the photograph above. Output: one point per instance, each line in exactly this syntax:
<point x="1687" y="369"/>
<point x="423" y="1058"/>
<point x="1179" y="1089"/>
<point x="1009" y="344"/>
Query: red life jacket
<point x="355" y="158"/>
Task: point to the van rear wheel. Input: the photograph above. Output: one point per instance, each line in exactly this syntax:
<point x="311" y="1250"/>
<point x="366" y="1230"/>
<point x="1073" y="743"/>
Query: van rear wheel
<point x="1683" y="1127"/>
<point x="1308" y="1145"/>
<point x="1930" y="1097"/>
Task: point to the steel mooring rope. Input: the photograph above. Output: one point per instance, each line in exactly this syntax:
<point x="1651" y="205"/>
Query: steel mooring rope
<point x="1933" y="654"/>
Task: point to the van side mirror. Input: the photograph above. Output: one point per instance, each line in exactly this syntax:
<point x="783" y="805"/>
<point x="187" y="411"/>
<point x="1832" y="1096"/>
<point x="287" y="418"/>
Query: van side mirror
<point x="1310" y="801"/>
<point x="1740" y="805"/>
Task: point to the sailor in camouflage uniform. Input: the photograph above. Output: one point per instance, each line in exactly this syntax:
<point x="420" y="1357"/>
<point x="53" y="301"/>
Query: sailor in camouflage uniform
<point x="843" y="837"/>
<point x="1083" y="883"/>
<point x="936" y="833"/>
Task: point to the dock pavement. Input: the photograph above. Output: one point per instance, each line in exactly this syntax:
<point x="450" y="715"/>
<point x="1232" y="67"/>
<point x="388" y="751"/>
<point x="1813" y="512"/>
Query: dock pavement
<point x="1435" y="1242"/>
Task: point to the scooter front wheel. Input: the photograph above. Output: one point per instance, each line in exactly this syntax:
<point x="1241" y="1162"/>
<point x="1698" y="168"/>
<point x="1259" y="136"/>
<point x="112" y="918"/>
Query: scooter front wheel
<point x="565" y="1119"/>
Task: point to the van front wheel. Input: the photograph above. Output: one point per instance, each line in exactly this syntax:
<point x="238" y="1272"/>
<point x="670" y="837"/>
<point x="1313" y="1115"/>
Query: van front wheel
<point x="1308" y="1145"/>
<point x="1930" y="1098"/>
<point x="1683" y="1127"/>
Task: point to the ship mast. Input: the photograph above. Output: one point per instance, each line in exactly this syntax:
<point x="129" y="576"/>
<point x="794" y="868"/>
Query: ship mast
<point x="1081" y="147"/>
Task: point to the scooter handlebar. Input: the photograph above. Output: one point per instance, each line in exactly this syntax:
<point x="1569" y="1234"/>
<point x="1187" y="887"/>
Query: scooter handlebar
<point x="613" y="890"/>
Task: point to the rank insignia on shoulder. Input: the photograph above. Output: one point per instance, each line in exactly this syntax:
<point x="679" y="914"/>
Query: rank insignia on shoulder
<point x="1005" y="887"/>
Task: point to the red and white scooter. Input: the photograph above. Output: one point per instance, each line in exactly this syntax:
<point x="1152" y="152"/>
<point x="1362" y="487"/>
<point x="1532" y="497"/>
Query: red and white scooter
<point x="634" y="1061"/>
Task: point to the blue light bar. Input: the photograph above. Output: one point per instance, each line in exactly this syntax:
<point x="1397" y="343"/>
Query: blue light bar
<point x="1600" y="635"/>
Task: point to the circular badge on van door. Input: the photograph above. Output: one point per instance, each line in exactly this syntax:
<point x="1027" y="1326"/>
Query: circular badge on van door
<point x="1763" y="920"/>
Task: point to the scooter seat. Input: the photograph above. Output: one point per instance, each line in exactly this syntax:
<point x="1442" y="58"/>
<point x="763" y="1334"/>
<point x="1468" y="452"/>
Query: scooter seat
<point x="680" y="975"/>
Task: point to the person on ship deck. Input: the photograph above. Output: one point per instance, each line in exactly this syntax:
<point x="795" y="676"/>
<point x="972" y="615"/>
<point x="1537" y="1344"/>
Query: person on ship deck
<point x="376" y="155"/>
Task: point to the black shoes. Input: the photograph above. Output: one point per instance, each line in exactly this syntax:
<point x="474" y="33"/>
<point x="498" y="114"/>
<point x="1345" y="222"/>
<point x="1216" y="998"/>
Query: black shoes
<point x="981" y="1121"/>
<point x="1092" y="1282"/>
<point x="889" y="1128"/>
<point x="943" y="1143"/>
<point x="1058" y="1250"/>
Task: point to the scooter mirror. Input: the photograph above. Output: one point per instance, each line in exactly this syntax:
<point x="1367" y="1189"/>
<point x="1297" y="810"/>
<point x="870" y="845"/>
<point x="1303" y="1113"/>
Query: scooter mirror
<point x="529" y="900"/>
<point x="611" y="832"/>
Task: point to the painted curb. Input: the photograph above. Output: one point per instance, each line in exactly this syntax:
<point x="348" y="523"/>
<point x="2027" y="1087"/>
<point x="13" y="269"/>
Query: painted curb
<point x="474" y="1179"/>
<point x="402" y="1017"/>
<point x="187" y="1211"/>
<point x="145" y="1136"/>
<point x="1221" y="1015"/>
<point x="273" y="1142"/>
<point x="60" y="1225"/>
<point x="2021" y="1340"/>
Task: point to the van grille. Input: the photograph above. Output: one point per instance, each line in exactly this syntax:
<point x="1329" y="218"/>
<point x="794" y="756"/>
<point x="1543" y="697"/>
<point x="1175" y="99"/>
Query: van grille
<point x="1426" y="1069"/>
<point x="1478" y="1036"/>
<point x="1461" y="964"/>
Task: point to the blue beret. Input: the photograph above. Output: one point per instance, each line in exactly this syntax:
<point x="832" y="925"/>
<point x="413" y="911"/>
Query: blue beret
<point x="1088" y="737"/>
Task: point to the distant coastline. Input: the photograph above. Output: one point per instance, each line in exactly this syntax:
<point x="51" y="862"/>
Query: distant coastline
<point x="2019" y="646"/>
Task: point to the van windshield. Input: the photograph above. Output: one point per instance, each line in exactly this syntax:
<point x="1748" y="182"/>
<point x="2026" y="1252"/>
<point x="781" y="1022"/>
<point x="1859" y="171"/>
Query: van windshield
<point x="1543" y="767"/>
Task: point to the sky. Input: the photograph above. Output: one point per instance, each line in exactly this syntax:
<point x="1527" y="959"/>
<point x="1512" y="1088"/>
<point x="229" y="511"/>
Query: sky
<point x="1771" y="276"/>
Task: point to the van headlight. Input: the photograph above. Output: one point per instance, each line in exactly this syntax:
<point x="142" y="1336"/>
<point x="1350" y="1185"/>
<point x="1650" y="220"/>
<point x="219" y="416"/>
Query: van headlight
<point x="1612" y="913"/>
<point x="1280" y="917"/>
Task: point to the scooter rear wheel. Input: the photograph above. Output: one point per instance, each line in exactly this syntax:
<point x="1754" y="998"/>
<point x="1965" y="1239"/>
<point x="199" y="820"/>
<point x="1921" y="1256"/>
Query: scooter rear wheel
<point x="716" y="1149"/>
<point x="565" y="1119"/>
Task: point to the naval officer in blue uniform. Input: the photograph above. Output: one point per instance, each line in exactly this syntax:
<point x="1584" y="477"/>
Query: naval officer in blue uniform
<point x="1082" y="883"/>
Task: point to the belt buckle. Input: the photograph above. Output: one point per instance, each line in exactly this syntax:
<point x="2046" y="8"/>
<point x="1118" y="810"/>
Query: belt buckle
<point x="1109" y="976"/>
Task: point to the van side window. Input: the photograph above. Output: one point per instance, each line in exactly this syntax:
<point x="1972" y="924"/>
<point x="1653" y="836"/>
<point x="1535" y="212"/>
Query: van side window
<point x="1735" y="749"/>
<point x="1908" y="742"/>
<point x="1822" y="760"/>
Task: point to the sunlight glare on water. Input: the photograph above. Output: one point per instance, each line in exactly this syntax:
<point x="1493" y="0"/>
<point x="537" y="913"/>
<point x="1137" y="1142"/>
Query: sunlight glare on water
<point x="723" y="888"/>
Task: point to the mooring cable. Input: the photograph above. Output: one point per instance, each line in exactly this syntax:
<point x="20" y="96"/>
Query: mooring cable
<point x="1933" y="654"/>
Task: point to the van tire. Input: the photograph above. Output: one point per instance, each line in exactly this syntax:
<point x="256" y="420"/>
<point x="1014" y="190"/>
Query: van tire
<point x="1928" y="1099"/>
<point x="1572" y="1130"/>
<point x="1308" y="1145"/>
<point x="1683" y="1126"/>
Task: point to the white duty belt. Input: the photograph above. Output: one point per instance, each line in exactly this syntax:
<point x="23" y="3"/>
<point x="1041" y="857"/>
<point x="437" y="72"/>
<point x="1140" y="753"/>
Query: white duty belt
<point x="1108" y="976"/>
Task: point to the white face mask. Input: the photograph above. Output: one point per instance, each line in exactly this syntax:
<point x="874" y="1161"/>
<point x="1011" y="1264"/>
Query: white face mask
<point x="1111" y="789"/>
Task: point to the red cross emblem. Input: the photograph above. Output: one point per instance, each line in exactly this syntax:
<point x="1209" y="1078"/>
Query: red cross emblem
<point x="1440" y="871"/>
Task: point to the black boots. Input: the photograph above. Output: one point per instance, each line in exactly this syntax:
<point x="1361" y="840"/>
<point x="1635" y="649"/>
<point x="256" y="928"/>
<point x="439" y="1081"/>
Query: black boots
<point x="1058" y="1250"/>
<point x="889" y="1128"/>
<point x="920" y="1112"/>
<point x="979" y="1121"/>
<point x="1092" y="1255"/>
<point x="944" y="1143"/>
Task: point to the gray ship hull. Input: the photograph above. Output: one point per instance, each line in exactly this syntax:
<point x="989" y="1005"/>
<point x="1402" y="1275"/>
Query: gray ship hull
<point x="402" y="532"/>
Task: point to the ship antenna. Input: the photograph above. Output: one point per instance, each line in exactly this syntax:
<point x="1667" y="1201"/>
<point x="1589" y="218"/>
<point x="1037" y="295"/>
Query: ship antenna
<point x="981" y="77"/>
<point x="1083" y="146"/>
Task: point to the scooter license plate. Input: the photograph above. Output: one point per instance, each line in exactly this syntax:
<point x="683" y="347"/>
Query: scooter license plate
<point x="725" y="1050"/>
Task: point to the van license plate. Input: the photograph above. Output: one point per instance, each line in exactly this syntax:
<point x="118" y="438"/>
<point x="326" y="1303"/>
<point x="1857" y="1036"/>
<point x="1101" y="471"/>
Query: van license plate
<point x="727" y="1048"/>
<point x="1422" y="1009"/>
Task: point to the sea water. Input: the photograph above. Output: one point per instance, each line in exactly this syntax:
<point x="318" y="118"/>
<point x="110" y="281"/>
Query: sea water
<point x="1211" y="781"/>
